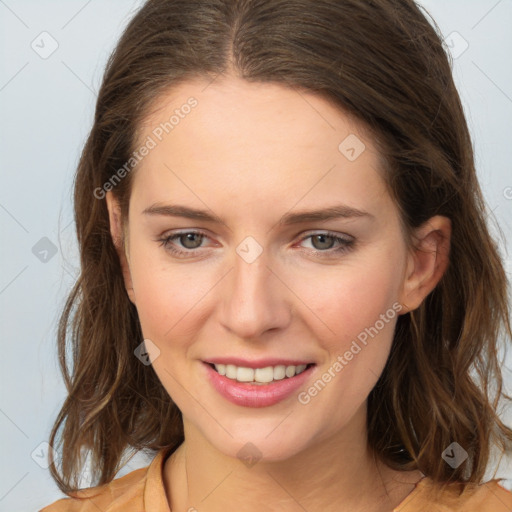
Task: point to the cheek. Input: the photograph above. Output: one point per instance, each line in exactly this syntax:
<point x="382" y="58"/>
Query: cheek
<point x="353" y="297"/>
<point x="166" y="295"/>
<point x="361" y="313"/>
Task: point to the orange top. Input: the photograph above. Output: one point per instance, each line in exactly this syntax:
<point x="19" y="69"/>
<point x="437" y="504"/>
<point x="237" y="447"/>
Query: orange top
<point x="143" y="490"/>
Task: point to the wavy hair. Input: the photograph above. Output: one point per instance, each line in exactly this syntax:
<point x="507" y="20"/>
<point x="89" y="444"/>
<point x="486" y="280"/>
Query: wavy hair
<point x="381" y="61"/>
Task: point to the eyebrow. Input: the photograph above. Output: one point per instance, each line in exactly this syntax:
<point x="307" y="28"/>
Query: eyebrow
<point x="331" y="212"/>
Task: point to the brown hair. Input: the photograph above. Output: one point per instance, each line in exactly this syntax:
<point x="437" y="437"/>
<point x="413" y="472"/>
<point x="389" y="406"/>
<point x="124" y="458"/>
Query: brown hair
<point x="384" y="63"/>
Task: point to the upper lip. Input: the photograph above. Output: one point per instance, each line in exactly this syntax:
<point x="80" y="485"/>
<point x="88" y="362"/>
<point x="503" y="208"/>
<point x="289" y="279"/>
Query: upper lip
<point x="256" y="363"/>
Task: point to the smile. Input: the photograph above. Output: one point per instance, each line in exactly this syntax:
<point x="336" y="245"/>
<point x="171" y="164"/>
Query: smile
<point x="259" y="376"/>
<point x="242" y="385"/>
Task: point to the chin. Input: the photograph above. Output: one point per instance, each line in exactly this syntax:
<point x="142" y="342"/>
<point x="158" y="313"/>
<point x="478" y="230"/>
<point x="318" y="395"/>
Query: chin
<point x="262" y="445"/>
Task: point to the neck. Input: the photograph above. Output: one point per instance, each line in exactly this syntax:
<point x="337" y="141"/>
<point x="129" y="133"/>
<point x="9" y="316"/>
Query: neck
<point x="338" y="473"/>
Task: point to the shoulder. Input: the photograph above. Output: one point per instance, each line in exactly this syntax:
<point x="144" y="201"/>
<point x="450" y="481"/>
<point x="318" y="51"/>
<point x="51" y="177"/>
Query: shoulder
<point x="108" y="497"/>
<point x="128" y="493"/>
<point x="487" y="497"/>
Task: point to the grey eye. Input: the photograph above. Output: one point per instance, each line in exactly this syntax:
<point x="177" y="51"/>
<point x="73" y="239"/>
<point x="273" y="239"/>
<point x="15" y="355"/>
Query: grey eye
<point x="191" y="240"/>
<point x="322" y="245"/>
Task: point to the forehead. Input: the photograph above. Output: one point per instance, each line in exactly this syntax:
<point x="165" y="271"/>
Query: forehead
<point x="235" y="111"/>
<point x="254" y="142"/>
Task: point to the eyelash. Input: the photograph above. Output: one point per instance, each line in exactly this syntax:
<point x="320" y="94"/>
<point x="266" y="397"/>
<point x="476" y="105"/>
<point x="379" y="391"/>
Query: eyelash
<point x="347" y="244"/>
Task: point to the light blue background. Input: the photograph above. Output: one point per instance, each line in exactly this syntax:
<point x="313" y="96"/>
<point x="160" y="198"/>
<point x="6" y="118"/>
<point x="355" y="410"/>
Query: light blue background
<point x="46" y="108"/>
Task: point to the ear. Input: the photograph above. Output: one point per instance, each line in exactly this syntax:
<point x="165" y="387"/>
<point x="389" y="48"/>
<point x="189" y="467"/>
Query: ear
<point x="120" y="242"/>
<point x="427" y="261"/>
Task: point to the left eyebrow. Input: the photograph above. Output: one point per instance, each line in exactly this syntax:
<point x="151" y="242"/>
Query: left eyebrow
<point x="332" y="212"/>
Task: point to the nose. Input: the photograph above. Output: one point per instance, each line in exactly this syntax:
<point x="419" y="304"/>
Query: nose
<point x="255" y="298"/>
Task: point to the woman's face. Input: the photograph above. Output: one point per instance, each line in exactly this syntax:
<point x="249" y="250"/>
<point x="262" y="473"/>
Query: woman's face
<point x="263" y="286"/>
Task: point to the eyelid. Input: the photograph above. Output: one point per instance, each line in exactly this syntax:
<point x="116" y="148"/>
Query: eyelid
<point x="347" y="242"/>
<point x="326" y="232"/>
<point x="176" y="234"/>
<point x="303" y="235"/>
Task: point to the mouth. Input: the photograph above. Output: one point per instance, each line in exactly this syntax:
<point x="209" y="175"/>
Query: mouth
<point x="241" y="384"/>
<point x="260" y="376"/>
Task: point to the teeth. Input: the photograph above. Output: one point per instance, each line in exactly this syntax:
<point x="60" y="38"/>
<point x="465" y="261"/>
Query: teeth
<point x="244" y="374"/>
<point x="231" y="371"/>
<point x="290" y="371"/>
<point x="263" y="374"/>
<point x="279" y="372"/>
<point x="258" y="375"/>
<point x="221" y="368"/>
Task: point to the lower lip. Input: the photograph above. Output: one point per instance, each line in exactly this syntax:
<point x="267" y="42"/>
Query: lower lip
<point x="254" y="395"/>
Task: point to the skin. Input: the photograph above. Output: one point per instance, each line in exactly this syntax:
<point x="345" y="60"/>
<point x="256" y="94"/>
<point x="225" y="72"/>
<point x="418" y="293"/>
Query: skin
<point x="251" y="153"/>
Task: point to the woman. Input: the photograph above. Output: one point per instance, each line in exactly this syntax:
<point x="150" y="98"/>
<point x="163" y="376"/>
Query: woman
<point x="288" y="291"/>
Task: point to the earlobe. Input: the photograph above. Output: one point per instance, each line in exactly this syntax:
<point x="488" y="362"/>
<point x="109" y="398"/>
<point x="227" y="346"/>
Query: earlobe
<point x="427" y="261"/>
<point x="116" y="231"/>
